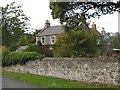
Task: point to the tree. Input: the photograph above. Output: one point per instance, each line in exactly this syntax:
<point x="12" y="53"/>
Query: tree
<point x="30" y="37"/>
<point x="75" y="13"/>
<point x="14" y="24"/>
<point x="22" y="41"/>
<point x="76" y="44"/>
<point x="116" y="40"/>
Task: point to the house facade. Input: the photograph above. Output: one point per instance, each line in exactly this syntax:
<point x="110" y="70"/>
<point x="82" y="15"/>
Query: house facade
<point x="47" y="36"/>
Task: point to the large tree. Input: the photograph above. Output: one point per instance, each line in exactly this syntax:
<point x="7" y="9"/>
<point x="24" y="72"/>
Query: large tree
<point x="76" y="44"/>
<point x="14" y="23"/>
<point x="74" y="13"/>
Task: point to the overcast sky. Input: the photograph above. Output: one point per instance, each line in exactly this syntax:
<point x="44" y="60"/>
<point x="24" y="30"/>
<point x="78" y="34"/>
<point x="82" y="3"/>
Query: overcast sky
<point x="38" y="11"/>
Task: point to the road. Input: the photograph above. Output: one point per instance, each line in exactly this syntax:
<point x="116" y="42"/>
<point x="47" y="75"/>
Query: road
<point x="11" y="83"/>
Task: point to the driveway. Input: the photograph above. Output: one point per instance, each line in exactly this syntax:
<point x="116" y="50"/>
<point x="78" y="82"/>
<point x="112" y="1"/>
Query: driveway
<point x="11" y="83"/>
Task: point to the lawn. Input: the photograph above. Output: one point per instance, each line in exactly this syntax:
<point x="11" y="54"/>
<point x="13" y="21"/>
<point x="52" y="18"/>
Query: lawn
<point x="50" y="82"/>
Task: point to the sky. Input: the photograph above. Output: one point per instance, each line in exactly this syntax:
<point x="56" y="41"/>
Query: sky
<point x="39" y="12"/>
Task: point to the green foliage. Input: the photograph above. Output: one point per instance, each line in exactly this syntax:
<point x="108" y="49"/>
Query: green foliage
<point x="73" y="13"/>
<point x="14" y="58"/>
<point x="45" y="50"/>
<point x="32" y="48"/>
<point x="76" y="44"/>
<point x="13" y="47"/>
<point x="14" y="24"/>
<point x="116" y="40"/>
<point x="22" y="41"/>
<point x="30" y="37"/>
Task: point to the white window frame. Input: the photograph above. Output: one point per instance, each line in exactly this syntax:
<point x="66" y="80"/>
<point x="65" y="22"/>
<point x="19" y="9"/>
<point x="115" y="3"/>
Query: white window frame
<point x="53" y="39"/>
<point x="43" y="42"/>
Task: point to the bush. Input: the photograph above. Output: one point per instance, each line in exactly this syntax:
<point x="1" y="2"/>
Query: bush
<point x="79" y="43"/>
<point x="44" y="50"/>
<point x="14" y="58"/>
<point x="13" y="47"/>
<point x="22" y="41"/>
<point x="32" y="48"/>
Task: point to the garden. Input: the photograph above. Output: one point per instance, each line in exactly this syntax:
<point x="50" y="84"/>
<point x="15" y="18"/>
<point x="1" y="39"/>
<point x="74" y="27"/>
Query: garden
<point x="77" y="41"/>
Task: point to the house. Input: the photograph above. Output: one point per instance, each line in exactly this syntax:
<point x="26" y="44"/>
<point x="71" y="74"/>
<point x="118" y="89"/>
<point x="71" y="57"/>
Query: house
<point x="47" y="36"/>
<point x="104" y="37"/>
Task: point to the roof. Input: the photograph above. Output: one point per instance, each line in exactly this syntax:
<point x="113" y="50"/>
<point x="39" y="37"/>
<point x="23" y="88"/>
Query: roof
<point x="52" y="30"/>
<point x="56" y="30"/>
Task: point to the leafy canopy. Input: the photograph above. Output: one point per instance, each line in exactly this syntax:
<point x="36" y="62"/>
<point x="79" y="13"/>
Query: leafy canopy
<point x="115" y="39"/>
<point x="73" y="13"/>
<point x="22" y="41"/>
<point x="76" y="44"/>
<point x="14" y="23"/>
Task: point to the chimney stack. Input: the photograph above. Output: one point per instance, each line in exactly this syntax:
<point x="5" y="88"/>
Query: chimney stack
<point x="47" y="24"/>
<point x="103" y="31"/>
<point x="94" y="26"/>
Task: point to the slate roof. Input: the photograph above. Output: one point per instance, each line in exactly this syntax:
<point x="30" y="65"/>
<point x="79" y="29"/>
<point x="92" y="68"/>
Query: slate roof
<point x="56" y="30"/>
<point x="52" y="30"/>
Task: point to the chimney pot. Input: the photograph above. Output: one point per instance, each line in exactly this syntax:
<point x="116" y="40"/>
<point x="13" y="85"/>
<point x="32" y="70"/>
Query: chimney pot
<point x="47" y="24"/>
<point x="93" y="25"/>
<point x="103" y="31"/>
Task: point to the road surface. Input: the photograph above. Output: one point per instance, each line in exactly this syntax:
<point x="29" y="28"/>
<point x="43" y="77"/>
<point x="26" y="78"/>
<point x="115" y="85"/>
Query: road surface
<point x="11" y="83"/>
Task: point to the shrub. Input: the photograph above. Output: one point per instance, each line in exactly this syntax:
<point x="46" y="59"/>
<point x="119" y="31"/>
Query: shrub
<point x="44" y="50"/>
<point x="32" y="48"/>
<point x="14" y="58"/>
<point x="79" y="43"/>
<point x="13" y="47"/>
<point x="22" y="41"/>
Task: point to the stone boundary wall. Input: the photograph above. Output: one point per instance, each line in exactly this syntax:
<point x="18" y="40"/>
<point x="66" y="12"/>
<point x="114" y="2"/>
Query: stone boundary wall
<point x="100" y="70"/>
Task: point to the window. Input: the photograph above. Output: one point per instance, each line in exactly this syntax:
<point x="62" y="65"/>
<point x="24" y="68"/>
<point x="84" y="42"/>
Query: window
<point x="52" y="39"/>
<point x="43" y="40"/>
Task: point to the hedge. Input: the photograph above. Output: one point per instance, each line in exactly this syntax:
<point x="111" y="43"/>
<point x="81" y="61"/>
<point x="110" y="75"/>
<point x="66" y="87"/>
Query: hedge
<point x="21" y="58"/>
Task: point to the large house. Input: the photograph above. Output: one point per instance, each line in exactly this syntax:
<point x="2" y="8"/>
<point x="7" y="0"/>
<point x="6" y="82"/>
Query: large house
<point x="47" y="36"/>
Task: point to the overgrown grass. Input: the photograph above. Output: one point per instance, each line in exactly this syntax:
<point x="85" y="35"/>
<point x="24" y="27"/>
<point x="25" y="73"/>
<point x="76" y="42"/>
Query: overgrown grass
<point x="50" y="82"/>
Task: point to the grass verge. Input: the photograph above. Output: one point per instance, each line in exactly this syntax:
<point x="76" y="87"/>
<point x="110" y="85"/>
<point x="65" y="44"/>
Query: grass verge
<point x="51" y="82"/>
